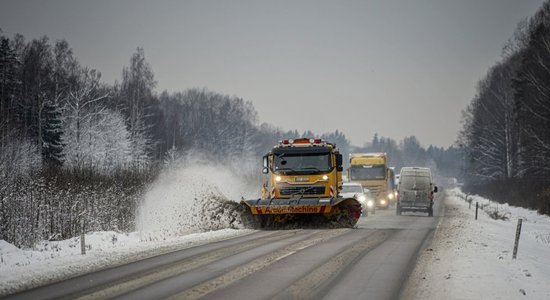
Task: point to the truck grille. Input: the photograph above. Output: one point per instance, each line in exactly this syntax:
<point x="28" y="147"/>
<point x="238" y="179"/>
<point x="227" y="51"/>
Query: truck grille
<point x="298" y="190"/>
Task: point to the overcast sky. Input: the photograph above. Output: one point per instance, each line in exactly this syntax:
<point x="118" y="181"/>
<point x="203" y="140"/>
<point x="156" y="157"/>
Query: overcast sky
<point x="397" y="68"/>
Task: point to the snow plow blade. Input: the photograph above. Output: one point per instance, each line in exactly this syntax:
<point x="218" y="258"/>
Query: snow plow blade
<point x="304" y="212"/>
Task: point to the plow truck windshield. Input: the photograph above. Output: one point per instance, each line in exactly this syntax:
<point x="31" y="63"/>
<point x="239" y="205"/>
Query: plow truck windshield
<point x="300" y="163"/>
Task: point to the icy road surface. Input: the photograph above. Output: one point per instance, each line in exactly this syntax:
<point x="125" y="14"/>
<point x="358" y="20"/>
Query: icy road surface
<point x="465" y="259"/>
<point x="371" y="261"/>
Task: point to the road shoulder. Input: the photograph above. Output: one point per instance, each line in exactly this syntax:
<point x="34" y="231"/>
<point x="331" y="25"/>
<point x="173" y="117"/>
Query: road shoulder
<point x="471" y="258"/>
<point x="422" y="282"/>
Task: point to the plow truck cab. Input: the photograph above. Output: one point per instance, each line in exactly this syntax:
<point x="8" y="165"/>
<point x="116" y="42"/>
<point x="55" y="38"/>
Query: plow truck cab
<point x="303" y="186"/>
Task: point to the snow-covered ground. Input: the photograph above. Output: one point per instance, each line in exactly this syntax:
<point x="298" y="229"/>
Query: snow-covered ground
<point x="185" y="207"/>
<point x="471" y="259"/>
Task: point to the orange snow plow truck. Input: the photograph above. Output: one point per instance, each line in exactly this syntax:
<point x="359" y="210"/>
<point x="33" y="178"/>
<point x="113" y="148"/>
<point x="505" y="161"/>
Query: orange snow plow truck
<point x="303" y="184"/>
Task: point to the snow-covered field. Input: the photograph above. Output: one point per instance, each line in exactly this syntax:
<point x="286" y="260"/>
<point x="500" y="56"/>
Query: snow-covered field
<point x="471" y="259"/>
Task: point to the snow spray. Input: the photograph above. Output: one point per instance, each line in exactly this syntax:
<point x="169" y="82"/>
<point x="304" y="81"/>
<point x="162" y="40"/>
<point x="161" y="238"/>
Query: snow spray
<point x="197" y="197"/>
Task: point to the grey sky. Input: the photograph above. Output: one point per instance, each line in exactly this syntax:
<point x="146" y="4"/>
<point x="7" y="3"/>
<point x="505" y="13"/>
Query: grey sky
<point x="398" y="68"/>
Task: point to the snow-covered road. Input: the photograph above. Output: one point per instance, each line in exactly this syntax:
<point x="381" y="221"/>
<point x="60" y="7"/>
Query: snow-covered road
<point x="54" y="261"/>
<point x="466" y="259"/>
<point x="372" y="261"/>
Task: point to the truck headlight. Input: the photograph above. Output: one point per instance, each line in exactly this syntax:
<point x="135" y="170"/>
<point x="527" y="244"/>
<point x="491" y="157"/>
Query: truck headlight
<point x="278" y="178"/>
<point x="325" y="177"/>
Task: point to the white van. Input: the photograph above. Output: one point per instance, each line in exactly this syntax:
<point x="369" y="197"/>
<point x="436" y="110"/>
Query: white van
<point x="415" y="191"/>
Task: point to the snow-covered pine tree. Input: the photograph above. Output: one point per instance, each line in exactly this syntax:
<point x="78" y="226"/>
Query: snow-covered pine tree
<point x="52" y="146"/>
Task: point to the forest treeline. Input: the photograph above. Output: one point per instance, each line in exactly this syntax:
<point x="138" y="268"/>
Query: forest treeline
<point x="73" y="147"/>
<point x="506" y="127"/>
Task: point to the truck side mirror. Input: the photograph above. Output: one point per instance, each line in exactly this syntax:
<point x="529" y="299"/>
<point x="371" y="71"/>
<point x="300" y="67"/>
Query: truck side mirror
<point x="265" y="170"/>
<point x="339" y="162"/>
<point x="435" y="189"/>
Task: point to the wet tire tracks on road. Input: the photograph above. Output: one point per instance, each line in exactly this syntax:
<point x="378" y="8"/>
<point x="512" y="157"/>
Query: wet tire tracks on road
<point x="370" y="261"/>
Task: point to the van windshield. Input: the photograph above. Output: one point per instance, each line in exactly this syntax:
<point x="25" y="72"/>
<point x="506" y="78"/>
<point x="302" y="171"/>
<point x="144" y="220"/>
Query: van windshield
<point x="412" y="182"/>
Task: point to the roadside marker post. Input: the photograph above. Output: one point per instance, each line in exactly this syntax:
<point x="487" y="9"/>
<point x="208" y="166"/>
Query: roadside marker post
<point x="82" y="237"/>
<point x="516" y="243"/>
<point x="477" y="206"/>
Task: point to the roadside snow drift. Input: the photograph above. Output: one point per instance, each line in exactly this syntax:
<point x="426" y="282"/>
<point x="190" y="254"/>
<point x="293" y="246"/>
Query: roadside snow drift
<point x="177" y="209"/>
<point x="472" y="259"/>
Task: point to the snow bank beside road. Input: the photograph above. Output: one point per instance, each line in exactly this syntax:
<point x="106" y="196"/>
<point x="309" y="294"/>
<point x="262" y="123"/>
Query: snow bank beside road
<point x="473" y="259"/>
<point x="185" y="200"/>
<point x="52" y="261"/>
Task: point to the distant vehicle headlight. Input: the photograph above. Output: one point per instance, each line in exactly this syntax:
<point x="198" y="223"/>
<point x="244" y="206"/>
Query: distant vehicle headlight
<point x="325" y="177"/>
<point x="382" y="201"/>
<point x="278" y="178"/>
<point x="370" y="203"/>
<point x="390" y="196"/>
<point x="362" y="198"/>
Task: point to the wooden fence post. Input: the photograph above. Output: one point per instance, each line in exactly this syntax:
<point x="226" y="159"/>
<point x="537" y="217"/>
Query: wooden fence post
<point x="516" y="243"/>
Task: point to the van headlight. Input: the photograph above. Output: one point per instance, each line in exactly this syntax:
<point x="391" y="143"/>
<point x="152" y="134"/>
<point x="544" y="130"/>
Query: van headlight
<point x="361" y="198"/>
<point x="370" y="203"/>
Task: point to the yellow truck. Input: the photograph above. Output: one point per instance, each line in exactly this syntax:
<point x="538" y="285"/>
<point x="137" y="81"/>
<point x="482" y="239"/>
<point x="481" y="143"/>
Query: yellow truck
<point x="371" y="170"/>
<point x="303" y="186"/>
